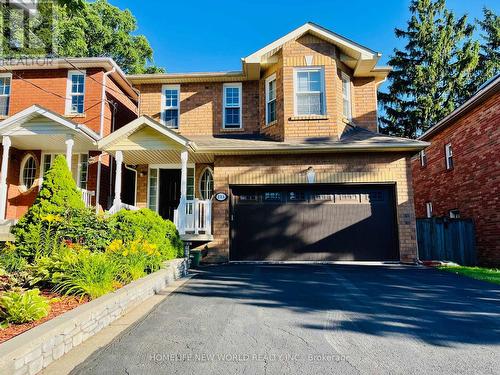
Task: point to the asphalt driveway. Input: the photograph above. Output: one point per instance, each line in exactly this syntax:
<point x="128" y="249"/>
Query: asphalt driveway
<point x="313" y="319"/>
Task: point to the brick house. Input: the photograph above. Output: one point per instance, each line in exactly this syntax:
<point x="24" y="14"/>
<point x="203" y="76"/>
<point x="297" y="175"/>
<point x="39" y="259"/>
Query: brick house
<point x="458" y="175"/>
<point x="59" y="106"/>
<point x="281" y="160"/>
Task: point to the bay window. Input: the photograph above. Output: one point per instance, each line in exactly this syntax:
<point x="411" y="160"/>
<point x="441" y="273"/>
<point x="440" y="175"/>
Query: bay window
<point x="271" y="99"/>
<point x="346" y="97"/>
<point x="309" y="92"/>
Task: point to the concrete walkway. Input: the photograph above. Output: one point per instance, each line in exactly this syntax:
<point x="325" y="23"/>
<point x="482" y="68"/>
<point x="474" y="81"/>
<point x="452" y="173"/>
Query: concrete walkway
<point x="313" y="319"/>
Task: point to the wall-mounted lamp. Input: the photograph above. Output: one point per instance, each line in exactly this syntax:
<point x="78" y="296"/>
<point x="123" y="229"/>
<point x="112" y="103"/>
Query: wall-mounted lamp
<point x="311" y="175"/>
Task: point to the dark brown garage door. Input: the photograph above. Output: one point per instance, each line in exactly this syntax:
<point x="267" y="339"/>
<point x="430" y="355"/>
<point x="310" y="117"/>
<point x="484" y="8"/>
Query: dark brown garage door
<point x="320" y="223"/>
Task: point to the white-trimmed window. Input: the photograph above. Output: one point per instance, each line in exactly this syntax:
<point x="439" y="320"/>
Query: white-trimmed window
<point x="271" y="99"/>
<point x="454" y="214"/>
<point x="423" y="158"/>
<point x="75" y="93"/>
<point x="207" y="184"/>
<point x="79" y="170"/>
<point x="448" y="151"/>
<point x="428" y="209"/>
<point x="171" y="105"/>
<point x="5" y="84"/>
<point x="28" y="172"/>
<point x="309" y="91"/>
<point x="346" y="96"/>
<point x="231" y="115"/>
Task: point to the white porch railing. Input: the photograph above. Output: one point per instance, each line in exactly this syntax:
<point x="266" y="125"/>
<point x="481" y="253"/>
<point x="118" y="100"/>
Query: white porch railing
<point x="195" y="218"/>
<point x="114" y="209"/>
<point x="87" y="197"/>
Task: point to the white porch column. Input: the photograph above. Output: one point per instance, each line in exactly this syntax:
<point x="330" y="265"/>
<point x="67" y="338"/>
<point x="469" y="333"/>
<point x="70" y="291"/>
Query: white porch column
<point x="118" y="180"/>
<point x="3" y="176"/>
<point x="182" y="203"/>
<point x="69" y="150"/>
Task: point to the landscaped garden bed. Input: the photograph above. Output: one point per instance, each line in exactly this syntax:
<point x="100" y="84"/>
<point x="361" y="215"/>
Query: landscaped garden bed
<point x="66" y="255"/>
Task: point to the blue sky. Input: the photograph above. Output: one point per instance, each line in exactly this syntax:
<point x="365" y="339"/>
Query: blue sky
<point x="190" y="36"/>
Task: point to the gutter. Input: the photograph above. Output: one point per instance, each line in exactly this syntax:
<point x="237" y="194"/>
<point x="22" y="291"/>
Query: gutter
<point x="101" y="131"/>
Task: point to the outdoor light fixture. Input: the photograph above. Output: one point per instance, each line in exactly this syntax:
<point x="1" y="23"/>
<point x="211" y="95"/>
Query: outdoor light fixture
<point x="311" y="175"/>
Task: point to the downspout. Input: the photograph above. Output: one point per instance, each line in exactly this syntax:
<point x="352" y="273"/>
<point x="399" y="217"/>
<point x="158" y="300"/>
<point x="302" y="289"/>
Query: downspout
<point x="101" y="132"/>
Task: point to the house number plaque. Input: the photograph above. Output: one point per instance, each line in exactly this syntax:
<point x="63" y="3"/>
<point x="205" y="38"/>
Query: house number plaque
<point x="221" y="197"/>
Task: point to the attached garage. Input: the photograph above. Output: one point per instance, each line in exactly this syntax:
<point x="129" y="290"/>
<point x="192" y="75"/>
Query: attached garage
<point x="313" y="223"/>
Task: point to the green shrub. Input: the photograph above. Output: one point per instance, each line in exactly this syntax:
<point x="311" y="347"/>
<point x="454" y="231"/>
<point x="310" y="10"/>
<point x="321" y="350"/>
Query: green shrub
<point x="136" y="258"/>
<point x="92" y="274"/>
<point x="37" y="232"/>
<point x="49" y="270"/>
<point x="23" y="307"/>
<point x="85" y="227"/>
<point x="10" y="259"/>
<point x="145" y="224"/>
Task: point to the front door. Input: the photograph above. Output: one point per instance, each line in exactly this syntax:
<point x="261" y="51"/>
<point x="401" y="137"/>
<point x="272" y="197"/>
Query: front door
<point x="170" y="192"/>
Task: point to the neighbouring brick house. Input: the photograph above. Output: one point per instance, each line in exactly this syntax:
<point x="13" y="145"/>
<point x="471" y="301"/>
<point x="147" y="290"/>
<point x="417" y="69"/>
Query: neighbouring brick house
<point x="458" y="175"/>
<point x="281" y="160"/>
<point x="59" y="106"/>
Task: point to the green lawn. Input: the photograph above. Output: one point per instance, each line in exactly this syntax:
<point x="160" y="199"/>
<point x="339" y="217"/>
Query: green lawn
<point x="486" y="274"/>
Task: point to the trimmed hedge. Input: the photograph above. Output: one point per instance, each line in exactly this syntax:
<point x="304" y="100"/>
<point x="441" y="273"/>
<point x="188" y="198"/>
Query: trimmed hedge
<point x="147" y="225"/>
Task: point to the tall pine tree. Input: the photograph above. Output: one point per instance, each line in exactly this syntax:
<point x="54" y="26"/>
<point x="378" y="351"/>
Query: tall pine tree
<point x="489" y="61"/>
<point x="432" y="73"/>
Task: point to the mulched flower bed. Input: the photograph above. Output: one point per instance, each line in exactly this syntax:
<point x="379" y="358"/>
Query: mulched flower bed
<point x="64" y="303"/>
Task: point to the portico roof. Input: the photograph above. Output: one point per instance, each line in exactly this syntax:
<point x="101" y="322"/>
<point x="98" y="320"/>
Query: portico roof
<point x="36" y="128"/>
<point x="146" y="141"/>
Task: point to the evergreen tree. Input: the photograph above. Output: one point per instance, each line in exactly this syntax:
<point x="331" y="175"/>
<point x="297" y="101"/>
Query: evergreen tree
<point x="36" y="230"/>
<point x="489" y="61"/>
<point x="433" y="71"/>
<point x="78" y="28"/>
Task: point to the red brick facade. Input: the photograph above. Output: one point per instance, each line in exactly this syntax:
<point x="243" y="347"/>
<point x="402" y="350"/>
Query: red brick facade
<point x="47" y="88"/>
<point x="473" y="185"/>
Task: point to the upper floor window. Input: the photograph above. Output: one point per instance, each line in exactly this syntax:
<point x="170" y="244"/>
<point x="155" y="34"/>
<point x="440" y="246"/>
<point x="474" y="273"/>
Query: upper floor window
<point x="448" y="156"/>
<point x="75" y="92"/>
<point x="309" y="92"/>
<point x="423" y="158"/>
<point x="5" y="82"/>
<point x="232" y="106"/>
<point x="271" y="99"/>
<point x="346" y="96"/>
<point x="171" y="106"/>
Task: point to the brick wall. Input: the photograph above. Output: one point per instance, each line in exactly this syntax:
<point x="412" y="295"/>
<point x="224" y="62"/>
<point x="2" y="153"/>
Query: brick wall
<point x="24" y="93"/>
<point x="31" y="87"/>
<point x="473" y="185"/>
<point x="201" y="107"/>
<point x="336" y="168"/>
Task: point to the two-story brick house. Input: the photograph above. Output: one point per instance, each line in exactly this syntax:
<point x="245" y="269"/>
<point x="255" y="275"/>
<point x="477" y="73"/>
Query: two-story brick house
<point x="279" y="161"/>
<point x="458" y="175"/>
<point x="59" y="106"/>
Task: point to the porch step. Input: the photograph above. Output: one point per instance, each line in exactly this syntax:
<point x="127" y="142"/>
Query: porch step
<point x="5" y="234"/>
<point x="191" y="237"/>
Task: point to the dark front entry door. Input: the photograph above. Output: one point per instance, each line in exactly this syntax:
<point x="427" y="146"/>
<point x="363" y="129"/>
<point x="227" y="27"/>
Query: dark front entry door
<point x="314" y="223"/>
<point x="170" y="192"/>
